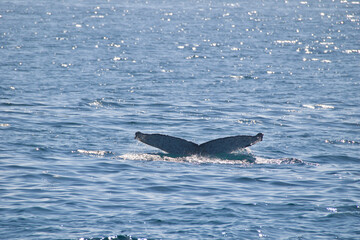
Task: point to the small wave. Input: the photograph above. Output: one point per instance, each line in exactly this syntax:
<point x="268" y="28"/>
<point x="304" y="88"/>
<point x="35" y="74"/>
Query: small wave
<point x="118" y="237"/>
<point x="195" y="56"/>
<point x="341" y="211"/>
<point x="337" y="158"/>
<point x="107" y="103"/>
<point x="283" y="42"/>
<point x="248" y="121"/>
<point x="318" y="106"/>
<point x="93" y="152"/>
<point x="278" y="161"/>
<point x="342" y="141"/>
<point x="241" y="159"/>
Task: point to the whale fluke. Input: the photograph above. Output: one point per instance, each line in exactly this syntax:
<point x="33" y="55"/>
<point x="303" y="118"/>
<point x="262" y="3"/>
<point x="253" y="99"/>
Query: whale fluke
<point x="169" y="144"/>
<point x="229" y="144"/>
<point x="178" y="146"/>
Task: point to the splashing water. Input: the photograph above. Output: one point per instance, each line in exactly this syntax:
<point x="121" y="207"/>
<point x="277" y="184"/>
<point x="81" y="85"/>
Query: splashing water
<point x="245" y="157"/>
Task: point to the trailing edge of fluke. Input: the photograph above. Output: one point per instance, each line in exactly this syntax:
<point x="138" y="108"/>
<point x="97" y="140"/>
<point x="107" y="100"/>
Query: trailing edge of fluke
<point x="178" y="146"/>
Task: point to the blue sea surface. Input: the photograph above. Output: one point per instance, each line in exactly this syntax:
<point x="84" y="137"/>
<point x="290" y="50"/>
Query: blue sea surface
<point x="79" y="78"/>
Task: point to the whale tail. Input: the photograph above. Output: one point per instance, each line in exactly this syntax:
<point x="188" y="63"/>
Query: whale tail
<point x="178" y="146"/>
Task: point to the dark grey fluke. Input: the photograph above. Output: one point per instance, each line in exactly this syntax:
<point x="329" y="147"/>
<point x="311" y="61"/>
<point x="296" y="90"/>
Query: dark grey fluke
<point x="178" y="146"/>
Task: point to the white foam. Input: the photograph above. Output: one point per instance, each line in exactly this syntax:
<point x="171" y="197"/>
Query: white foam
<point x="325" y="106"/>
<point x="318" y="106"/>
<point x="93" y="152"/>
<point x="233" y="159"/>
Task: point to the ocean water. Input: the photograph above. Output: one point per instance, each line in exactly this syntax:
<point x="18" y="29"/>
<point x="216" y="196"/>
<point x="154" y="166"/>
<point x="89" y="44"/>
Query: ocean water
<point x="79" y="78"/>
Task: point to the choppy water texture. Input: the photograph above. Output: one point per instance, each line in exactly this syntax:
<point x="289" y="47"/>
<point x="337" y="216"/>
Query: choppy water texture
<point x="79" y="78"/>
